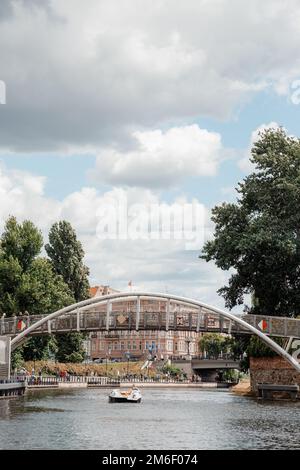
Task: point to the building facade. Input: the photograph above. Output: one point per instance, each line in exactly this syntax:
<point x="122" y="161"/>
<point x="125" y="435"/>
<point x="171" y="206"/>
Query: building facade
<point x="119" y="344"/>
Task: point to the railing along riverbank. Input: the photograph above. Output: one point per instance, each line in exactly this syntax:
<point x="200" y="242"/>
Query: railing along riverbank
<point x="72" y="381"/>
<point x="94" y="382"/>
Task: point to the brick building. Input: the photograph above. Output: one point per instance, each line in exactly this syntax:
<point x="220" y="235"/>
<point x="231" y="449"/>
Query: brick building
<point x="163" y="344"/>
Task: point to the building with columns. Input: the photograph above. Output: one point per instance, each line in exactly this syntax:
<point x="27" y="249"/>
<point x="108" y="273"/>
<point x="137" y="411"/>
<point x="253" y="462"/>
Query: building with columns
<point x="163" y="344"/>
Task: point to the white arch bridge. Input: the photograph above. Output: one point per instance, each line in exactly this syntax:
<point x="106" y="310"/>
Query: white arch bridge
<point x="110" y="312"/>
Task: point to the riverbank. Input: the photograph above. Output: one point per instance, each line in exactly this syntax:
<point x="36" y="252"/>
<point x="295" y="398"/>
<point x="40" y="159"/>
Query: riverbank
<point x="243" y="388"/>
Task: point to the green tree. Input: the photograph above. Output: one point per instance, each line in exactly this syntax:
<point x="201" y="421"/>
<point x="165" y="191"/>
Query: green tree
<point x="42" y="291"/>
<point x="20" y="244"/>
<point x="29" y="283"/>
<point x="21" y="241"/>
<point x="172" y="370"/>
<point x="257" y="348"/>
<point x="213" y="344"/>
<point x="39" y="348"/>
<point x="66" y="254"/>
<point x="10" y="281"/>
<point x="258" y="237"/>
<point x="70" y="347"/>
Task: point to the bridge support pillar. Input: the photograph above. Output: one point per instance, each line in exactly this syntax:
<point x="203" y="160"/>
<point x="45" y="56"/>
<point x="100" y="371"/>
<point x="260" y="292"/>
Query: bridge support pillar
<point x="5" y="355"/>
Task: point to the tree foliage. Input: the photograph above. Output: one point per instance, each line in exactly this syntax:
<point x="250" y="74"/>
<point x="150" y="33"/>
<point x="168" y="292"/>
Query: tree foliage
<point x="39" y="348"/>
<point x="66" y="254"/>
<point x="258" y="237"/>
<point x="257" y="348"/>
<point x="214" y="344"/>
<point x="21" y="241"/>
<point x="70" y="347"/>
<point x="172" y="370"/>
<point x="29" y="282"/>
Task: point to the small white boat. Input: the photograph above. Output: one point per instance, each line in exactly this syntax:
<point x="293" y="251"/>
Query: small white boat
<point x="129" y="396"/>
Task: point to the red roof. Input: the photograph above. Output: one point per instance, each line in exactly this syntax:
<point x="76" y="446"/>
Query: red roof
<point x="93" y="291"/>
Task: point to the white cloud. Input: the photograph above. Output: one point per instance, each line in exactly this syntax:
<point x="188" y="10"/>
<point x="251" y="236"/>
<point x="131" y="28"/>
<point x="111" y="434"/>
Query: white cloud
<point x="85" y="74"/>
<point x="245" y="164"/>
<point x="157" y="265"/>
<point x="22" y="195"/>
<point x="161" y="159"/>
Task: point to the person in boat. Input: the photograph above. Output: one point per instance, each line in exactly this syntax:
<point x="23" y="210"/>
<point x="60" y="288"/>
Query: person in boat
<point x="134" y="387"/>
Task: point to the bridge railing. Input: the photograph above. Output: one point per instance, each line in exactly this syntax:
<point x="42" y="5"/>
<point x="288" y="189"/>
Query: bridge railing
<point x="219" y="357"/>
<point x="91" y="320"/>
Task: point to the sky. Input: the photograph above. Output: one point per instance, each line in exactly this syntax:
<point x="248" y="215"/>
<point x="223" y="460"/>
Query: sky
<point x="152" y="106"/>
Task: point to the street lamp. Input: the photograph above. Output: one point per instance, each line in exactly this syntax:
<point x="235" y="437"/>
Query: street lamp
<point x="127" y="354"/>
<point x="188" y="341"/>
<point x="150" y="357"/>
<point x="34" y="358"/>
<point x="107" y="355"/>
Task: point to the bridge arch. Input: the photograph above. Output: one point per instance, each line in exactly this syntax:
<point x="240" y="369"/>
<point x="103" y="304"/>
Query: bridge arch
<point x="94" y="301"/>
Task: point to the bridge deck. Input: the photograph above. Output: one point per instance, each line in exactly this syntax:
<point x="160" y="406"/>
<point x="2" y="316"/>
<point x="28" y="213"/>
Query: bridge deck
<point x="90" y="320"/>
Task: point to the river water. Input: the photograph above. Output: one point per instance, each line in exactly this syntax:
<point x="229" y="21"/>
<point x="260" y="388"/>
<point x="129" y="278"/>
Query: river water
<point x="166" y="419"/>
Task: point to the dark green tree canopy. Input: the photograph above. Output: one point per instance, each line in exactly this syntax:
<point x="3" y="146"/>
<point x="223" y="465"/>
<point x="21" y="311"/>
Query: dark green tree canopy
<point x="258" y="237"/>
<point x="43" y="291"/>
<point x="70" y="347"/>
<point x="28" y="282"/>
<point x="66" y="254"/>
<point x="22" y="241"/>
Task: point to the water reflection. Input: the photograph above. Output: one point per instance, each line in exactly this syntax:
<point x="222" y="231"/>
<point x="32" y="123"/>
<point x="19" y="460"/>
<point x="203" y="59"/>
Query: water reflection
<point x="166" y="419"/>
